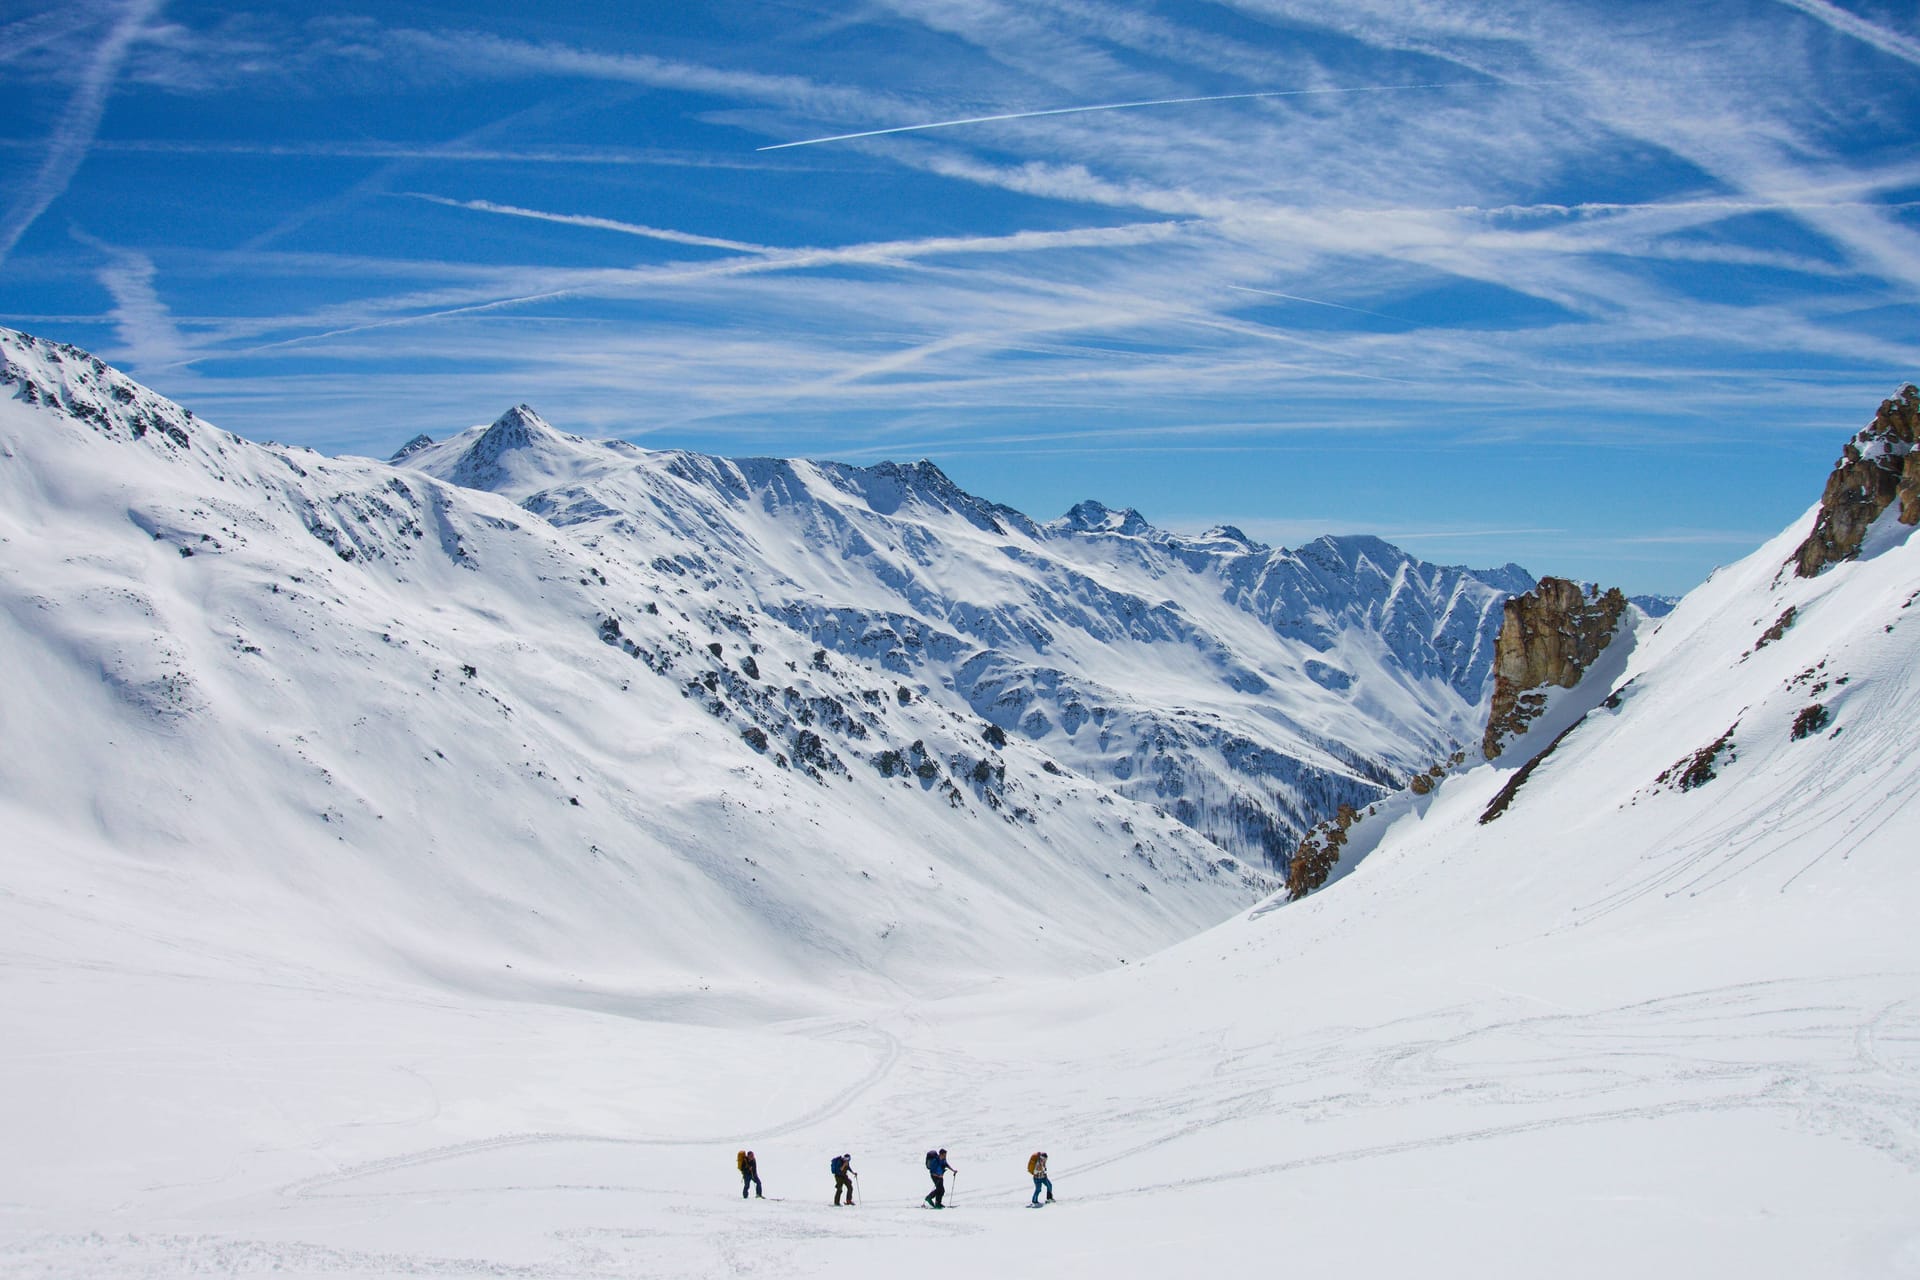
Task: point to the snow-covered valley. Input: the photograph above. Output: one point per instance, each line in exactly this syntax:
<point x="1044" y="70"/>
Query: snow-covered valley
<point x="384" y="893"/>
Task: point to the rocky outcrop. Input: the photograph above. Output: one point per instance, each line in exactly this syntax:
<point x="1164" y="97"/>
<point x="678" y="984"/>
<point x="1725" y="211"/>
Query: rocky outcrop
<point x="1319" y="853"/>
<point x="1324" y="846"/>
<point x="1878" y="468"/>
<point x="1548" y="638"/>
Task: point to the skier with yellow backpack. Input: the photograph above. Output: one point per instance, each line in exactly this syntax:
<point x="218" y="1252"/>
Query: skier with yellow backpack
<point x="749" y="1174"/>
<point x="1037" y="1170"/>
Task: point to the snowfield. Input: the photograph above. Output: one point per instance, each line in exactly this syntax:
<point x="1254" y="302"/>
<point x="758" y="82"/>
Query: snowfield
<point x="1645" y="1021"/>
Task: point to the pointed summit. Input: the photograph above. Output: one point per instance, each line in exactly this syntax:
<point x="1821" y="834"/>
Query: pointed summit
<point x="411" y="447"/>
<point x="518" y="428"/>
<point x="518" y="445"/>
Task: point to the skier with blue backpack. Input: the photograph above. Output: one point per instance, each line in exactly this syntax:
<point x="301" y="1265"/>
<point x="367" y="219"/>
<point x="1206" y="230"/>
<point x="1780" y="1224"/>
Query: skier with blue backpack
<point x="938" y="1167"/>
<point x="843" y="1175"/>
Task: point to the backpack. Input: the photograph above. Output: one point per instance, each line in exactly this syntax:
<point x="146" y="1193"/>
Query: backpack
<point x="934" y="1162"/>
<point x="740" y="1162"/>
<point x="1036" y="1163"/>
<point x="837" y="1165"/>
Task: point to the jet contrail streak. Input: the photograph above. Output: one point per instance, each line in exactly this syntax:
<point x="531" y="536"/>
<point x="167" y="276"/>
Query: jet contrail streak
<point x="1886" y="41"/>
<point x="1318" y="302"/>
<point x="585" y="220"/>
<point x="1123" y="106"/>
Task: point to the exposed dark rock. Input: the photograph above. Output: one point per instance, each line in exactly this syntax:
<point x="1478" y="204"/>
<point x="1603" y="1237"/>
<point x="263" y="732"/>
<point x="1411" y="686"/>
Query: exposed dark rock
<point x="1702" y="767"/>
<point x="1778" y="629"/>
<point x="1878" y="468"/>
<point x="1810" y="721"/>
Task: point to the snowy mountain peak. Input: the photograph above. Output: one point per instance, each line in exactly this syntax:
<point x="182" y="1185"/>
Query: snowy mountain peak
<point x="411" y="447"/>
<point x="518" y="428"/>
<point x="888" y="487"/>
<point x="1093" y="516"/>
<point x="517" y="454"/>
<point x="921" y="474"/>
<point x="486" y="464"/>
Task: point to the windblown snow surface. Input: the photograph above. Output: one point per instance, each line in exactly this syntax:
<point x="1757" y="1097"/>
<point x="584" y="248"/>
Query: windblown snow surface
<point x="1629" y="1026"/>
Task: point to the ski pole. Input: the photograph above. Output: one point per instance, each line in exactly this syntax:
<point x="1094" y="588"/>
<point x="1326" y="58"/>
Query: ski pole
<point x="955" y="1173"/>
<point x="856" y="1183"/>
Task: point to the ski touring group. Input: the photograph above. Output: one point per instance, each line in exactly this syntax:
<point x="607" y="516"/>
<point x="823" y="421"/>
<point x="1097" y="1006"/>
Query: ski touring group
<point x="938" y="1168"/>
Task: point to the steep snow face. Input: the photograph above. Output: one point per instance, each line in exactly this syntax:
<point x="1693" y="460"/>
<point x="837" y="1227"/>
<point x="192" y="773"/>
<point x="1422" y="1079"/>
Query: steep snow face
<point x="1243" y="689"/>
<point x="469" y="741"/>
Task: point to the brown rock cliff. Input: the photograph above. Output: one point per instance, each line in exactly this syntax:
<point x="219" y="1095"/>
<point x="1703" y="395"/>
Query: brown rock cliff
<point x="1878" y="468"/>
<point x="1550" y="636"/>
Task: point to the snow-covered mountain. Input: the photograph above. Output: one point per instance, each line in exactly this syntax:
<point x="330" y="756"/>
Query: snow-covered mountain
<point x="1244" y="689"/>
<point x="577" y="708"/>
<point x="303" y="976"/>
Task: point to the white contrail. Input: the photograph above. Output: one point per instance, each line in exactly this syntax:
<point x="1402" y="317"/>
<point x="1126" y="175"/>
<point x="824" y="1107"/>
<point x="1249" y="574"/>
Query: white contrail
<point x="1318" y="302"/>
<point x="1125" y="106"/>
<point x="74" y="134"/>
<point x="587" y="220"/>
<point x="1905" y="48"/>
<point x="763" y="261"/>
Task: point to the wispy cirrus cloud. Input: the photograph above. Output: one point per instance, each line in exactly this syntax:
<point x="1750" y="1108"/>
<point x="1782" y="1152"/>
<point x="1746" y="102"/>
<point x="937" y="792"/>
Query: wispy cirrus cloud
<point x="449" y="154"/>
<point x="149" y="337"/>
<point x="1152" y="231"/>
<point x="632" y="281"/>
<point x="27" y="36"/>
<point x="74" y="132"/>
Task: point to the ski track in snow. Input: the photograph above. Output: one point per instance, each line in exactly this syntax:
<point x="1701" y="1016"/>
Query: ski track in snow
<point x="886" y="1057"/>
<point x="1704" y="1052"/>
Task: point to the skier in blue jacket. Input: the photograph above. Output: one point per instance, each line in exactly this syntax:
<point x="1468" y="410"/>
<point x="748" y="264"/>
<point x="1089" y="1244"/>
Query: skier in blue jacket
<point x="937" y="1166"/>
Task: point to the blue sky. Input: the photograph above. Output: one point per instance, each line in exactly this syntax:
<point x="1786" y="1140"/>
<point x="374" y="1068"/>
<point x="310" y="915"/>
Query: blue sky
<point x="1600" y="288"/>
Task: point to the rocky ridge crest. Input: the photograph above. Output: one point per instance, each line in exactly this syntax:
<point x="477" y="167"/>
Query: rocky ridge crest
<point x="1878" y="468"/>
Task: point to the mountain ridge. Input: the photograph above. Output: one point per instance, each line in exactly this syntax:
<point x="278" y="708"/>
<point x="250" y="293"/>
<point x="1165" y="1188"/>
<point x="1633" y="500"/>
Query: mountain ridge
<point x="900" y="566"/>
<point x="369" y="665"/>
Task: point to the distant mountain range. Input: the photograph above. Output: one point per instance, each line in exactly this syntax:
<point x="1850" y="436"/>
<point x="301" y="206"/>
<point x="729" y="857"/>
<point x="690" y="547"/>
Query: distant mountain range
<point x="1243" y="689"/>
<point x="528" y="665"/>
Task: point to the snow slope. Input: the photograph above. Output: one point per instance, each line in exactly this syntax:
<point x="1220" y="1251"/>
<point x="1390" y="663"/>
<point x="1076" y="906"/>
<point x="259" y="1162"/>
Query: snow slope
<point x="1626" y="1027"/>
<point x="584" y="712"/>
<point x="404" y="712"/>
